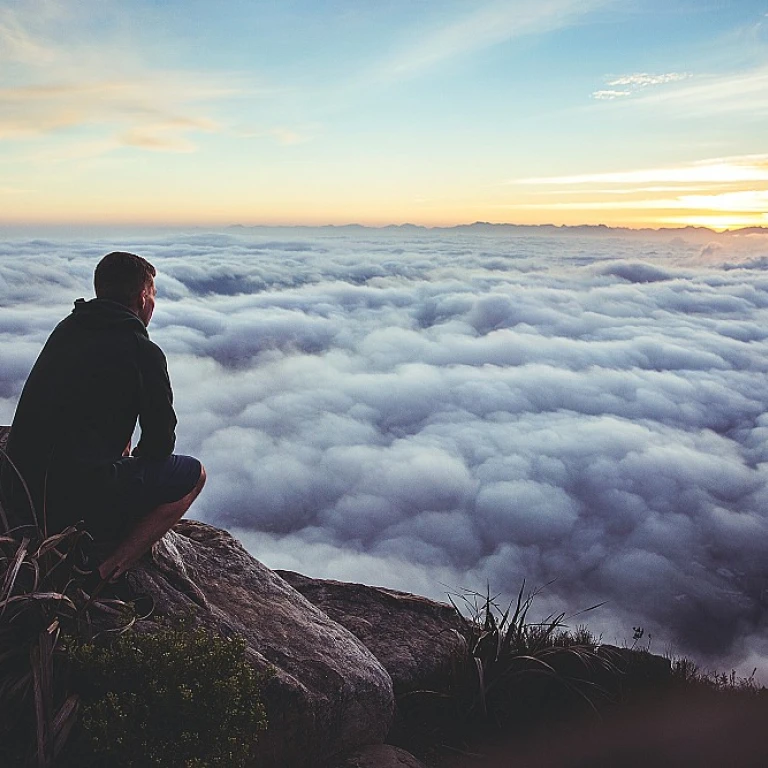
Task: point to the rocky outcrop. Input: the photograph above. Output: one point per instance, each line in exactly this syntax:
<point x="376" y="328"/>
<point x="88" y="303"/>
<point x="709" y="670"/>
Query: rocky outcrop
<point x="379" y="756"/>
<point x="418" y="641"/>
<point x="337" y="653"/>
<point x="327" y="693"/>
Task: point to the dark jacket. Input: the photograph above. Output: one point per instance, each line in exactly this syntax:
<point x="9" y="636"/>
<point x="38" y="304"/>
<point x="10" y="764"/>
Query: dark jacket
<point x="97" y="373"/>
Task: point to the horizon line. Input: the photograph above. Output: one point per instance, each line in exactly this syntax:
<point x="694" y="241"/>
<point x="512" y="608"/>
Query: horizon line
<point x="748" y="229"/>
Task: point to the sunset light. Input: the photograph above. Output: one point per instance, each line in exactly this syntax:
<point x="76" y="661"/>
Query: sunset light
<point x="441" y="113"/>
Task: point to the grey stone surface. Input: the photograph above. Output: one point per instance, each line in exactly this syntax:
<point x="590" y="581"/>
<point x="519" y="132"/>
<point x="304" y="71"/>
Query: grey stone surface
<point x="419" y="641"/>
<point x="327" y="693"/>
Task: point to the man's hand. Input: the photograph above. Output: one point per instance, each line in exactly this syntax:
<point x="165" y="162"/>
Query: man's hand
<point x="127" y="449"/>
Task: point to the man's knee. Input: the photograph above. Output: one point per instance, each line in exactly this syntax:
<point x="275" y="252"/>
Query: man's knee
<point x="174" y="510"/>
<point x="194" y="493"/>
<point x="201" y="481"/>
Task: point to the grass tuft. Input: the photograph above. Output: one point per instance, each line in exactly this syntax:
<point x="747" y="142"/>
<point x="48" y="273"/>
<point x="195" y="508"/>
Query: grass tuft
<point x="42" y="600"/>
<point x="517" y="674"/>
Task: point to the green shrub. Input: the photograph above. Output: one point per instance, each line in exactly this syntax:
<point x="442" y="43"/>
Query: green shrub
<point x="173" y="697"/>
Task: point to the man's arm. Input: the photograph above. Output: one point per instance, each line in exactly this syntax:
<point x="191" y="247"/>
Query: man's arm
<point x="157" y="418"/>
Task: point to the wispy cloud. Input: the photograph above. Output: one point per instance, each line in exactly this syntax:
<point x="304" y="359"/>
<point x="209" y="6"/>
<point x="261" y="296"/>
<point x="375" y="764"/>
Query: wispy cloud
<point x="166" y="136"/>
<point x="632" y="84"/>
<point x="103" y="89"/>
<point x="610" y="94"/>
<point x="750" y="201"/>
<point x="488" y="25"/>
<point x="18" y="43"/>
<point x="153" y="113"/>
<point x="643" y="79"/>
<point x="280" y="134"/>
<point x="729" y="202"/>
<point x="719" y="170"/>
<point x="745" y="91"/>
<point x="688" y="95"/>
<point x="717" y="192"/>
<point x="5" y="190"/>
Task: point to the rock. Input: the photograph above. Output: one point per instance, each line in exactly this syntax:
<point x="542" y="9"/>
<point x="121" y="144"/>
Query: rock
<point x="327" y="695"/>
<point x="417" y="640"/>
<point x="380" y="756"/>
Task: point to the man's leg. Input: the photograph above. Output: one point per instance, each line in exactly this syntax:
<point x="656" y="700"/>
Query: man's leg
<point x="146" y="531"/>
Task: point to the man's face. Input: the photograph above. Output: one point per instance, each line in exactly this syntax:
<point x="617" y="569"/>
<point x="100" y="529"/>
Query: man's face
<point x="147" y="302"/>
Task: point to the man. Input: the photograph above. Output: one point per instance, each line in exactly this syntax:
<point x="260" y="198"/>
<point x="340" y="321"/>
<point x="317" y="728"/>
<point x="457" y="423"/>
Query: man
<point x="70" y="438"/>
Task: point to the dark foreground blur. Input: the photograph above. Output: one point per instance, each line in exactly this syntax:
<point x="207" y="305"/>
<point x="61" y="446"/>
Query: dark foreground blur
<point x="679" y="732"/>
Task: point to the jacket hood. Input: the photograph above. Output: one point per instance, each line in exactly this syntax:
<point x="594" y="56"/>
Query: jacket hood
<point x="103" y="313"/>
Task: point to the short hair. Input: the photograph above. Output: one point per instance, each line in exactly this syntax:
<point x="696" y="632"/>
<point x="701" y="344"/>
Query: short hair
<point x="121" y="277"/>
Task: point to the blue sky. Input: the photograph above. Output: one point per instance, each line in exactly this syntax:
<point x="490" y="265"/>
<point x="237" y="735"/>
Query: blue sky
<point x="640" y="113"/>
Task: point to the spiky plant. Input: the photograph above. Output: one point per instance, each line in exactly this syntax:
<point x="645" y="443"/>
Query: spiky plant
<point x="520" y="668"/>
<point x="41" y="599"/>
<point x="516" y="674"/>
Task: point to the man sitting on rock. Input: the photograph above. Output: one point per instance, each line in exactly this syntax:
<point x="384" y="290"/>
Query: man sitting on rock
<point x="70" y="439"/>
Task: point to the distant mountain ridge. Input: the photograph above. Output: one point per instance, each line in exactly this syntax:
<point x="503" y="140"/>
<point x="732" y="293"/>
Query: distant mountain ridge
<point x="486" y="227"/>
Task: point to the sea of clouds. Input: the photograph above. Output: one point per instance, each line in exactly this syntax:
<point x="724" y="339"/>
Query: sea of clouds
<point x="437" y="410"/>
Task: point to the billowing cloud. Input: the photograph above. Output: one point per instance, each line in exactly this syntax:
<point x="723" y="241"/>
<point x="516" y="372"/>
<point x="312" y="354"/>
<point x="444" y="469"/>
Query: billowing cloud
<point x="433" y="410"/>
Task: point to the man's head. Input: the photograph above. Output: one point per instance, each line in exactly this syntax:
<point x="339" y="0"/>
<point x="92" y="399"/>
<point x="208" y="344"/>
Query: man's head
<point x="129" y="280"/>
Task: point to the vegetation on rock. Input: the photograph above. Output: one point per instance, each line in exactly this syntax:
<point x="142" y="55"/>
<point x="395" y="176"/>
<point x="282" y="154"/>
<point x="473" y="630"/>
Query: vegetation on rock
<point x="174" y="697"/>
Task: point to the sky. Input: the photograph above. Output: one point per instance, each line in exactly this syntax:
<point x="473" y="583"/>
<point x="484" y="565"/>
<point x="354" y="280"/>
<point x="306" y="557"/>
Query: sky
<point x="639" y="113"/>
<point x="434" y="410"/>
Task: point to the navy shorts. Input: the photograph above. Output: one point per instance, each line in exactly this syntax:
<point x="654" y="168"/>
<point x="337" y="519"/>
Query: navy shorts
<point x="136" y="485"/>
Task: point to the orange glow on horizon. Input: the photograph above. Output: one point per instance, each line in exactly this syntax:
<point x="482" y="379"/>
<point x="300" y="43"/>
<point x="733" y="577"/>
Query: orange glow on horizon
<point x="715" y="222"/>
<point x="198" y="212"/>
<point x="720" y="222"/>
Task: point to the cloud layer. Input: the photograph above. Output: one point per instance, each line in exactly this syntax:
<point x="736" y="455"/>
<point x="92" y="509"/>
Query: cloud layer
<point x="432" y="410"/>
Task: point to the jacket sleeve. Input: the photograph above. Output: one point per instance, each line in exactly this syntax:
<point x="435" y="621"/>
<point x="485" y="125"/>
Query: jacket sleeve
<point x="157" y="418"/>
